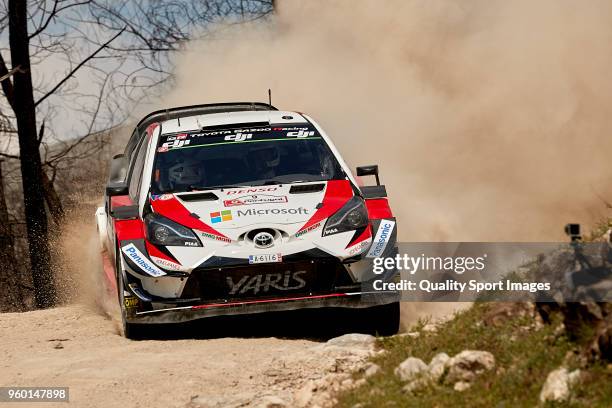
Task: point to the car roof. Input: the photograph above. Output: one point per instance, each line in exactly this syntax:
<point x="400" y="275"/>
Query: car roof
<point x="243" y="118"/>
<point x="184" y="111"/>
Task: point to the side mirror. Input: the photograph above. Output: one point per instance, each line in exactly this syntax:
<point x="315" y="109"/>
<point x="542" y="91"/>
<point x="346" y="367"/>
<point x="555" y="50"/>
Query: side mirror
<point x="118" y="169"/>
<point x="371" y="170"/>
<point x="116" y="189"/>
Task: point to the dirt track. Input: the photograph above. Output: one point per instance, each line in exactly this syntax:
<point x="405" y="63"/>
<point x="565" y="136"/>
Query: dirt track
<point x="83" y="350"/>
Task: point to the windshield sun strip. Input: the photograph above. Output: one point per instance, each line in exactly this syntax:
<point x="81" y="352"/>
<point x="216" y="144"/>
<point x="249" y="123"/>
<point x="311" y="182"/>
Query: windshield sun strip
<point x="244" y="141"/>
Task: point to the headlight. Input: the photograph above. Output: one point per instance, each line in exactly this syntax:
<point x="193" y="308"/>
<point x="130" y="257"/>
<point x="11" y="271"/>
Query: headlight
<point x="162" y="231"/>
<point x="353" y="215"/>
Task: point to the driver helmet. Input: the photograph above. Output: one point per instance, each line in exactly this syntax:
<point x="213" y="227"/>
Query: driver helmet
<point x="188" y="172"/>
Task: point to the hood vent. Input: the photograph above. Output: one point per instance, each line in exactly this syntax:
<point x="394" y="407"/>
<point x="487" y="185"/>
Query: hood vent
<point x="306" y="188"/>
<point x="198" y="197"/>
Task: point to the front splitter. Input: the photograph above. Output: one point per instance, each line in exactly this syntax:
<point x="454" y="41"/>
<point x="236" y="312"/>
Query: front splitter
<point x="180" y="314"/>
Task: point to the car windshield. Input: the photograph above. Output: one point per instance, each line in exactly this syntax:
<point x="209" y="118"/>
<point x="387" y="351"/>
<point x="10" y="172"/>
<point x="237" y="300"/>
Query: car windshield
<point x="242" y="157"/>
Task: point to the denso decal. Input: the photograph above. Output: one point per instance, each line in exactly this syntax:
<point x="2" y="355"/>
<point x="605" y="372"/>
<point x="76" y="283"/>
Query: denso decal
<point x="381" y="239"/>
<point x="311" y="228"/>
<point x="271" y="211"/>
<point x="252" y="190"/>
<point x="263" y="282"/>
<point x="142" y="261"/>
<point x="255" y="199"/>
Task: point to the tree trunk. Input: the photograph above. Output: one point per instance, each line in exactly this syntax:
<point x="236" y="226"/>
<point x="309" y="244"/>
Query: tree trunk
<point x="10" y="284"/>
<point x="31" y="168"/>
<point x="52" y="198"/>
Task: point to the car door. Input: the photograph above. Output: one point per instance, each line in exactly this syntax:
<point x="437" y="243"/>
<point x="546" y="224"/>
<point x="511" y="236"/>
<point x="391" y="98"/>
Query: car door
<point x="135" y="167"/>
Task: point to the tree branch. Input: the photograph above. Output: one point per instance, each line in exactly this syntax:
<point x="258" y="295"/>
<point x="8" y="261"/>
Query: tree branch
<point x="9" y="156"/>
<point x="54" y="13"/>
<point x="67" y="77"/>
<point x="7" y="85"/>
<point x="41" y="132"/>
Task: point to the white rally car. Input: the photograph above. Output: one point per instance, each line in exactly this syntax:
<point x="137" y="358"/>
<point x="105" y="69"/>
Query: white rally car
<point x="241" y="208"/>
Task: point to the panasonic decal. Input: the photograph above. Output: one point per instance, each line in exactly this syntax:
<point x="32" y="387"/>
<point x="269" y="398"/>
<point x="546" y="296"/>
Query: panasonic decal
<point x="142" y="261"/>
<point x="381" y="239"/>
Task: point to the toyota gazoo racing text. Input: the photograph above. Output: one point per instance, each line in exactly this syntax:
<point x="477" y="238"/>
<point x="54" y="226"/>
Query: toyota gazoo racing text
<point x="240" y="208"/>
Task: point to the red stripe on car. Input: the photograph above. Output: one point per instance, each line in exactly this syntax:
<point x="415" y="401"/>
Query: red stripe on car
<point x="151" y="128"/>
<point x="366" y="234"/>
<point x="109" y="271"/>
<point x="129" y="229"/>
<point x="174" y="210"/>
<point x="338" y="192"/>
<point x="154" y="251"/>
<point x="378" y="209"/>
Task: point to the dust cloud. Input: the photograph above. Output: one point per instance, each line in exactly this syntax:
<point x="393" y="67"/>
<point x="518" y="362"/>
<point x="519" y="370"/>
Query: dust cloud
<point x="490" y="119"/>
<point x="77" y="261"/>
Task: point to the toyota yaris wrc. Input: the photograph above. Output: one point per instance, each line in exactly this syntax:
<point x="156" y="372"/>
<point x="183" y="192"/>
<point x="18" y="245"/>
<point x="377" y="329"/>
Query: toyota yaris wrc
<point x="240" y="208"/>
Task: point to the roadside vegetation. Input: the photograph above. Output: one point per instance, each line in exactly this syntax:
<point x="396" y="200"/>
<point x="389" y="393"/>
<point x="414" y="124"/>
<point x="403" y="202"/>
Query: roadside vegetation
<point x="525" y="351"/>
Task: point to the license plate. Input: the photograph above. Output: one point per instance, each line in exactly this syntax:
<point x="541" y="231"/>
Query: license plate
<point x="265" y="258"/>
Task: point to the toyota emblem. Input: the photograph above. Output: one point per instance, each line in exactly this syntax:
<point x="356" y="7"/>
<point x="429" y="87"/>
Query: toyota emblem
<point x="263" y="240"/>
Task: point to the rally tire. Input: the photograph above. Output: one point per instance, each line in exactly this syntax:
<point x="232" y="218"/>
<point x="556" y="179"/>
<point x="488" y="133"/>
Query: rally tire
<point x="132" y="331"/>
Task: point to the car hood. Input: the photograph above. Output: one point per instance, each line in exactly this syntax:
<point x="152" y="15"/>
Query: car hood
<point x="230" y="212"/>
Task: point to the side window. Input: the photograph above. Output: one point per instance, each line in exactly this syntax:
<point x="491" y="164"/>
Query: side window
<point x="137" y="168"/>
<point x="132" y="143"/>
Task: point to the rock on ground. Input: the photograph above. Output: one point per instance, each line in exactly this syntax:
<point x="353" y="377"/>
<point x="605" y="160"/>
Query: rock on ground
<point x="410" y="369"/>
<point x="272" y="401"/>
<point x="558" y="385"/>
<point x="370" y="369"/>
<point x="468" y="364"/>
<point x="461" y="386"/>
<point x="353" y="340"/>
<point x="437" y="366"/>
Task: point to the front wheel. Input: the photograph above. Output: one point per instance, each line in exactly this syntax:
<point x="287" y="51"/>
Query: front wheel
<point x="127" y="305"/>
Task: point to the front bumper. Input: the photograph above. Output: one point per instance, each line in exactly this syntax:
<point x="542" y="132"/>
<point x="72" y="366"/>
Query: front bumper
<point x="245" y="289"/>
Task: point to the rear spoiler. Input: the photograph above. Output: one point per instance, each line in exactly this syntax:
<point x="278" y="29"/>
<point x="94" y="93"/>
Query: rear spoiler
<point x="183" y="111"/>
